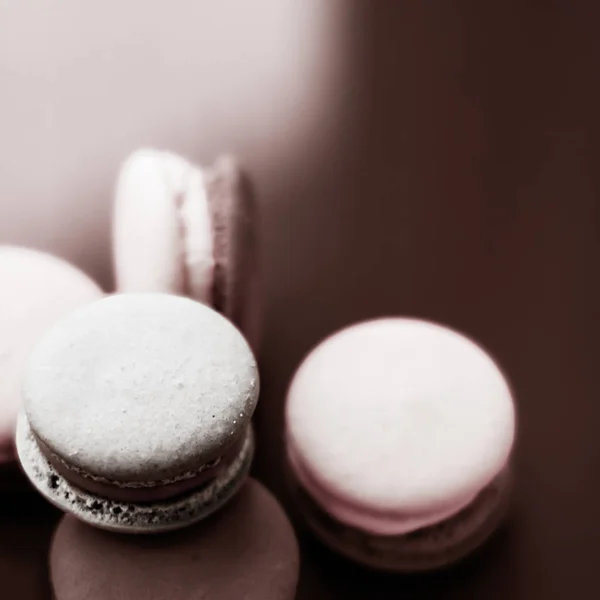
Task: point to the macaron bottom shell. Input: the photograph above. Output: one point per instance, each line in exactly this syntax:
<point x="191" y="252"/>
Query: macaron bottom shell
<point x="433" y="547"/>
<point x="128" y="517"/>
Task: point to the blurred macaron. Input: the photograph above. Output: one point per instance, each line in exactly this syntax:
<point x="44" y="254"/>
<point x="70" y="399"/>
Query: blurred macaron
<point x="247" y="550"/>
<point x="399" y="435"/>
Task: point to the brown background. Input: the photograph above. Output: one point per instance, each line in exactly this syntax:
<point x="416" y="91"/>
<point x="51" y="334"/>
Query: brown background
<point x="430" y="159"/>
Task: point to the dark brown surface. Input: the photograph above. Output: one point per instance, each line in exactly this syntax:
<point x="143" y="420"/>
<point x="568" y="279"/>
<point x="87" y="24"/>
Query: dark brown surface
<point x="459" y="183"/>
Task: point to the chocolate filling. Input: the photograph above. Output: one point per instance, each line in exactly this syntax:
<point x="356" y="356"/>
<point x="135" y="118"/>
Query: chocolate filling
<point x="143" y="491"/>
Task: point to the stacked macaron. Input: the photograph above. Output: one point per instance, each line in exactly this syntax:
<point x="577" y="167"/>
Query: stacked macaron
<point x="137" y="412"/>
<point x="137" y="406"/>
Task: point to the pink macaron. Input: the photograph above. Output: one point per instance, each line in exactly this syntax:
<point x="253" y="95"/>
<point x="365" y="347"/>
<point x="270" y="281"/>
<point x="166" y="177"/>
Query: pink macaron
<point x="399" y="434"/>
<point x="247" y="550"/>
<point x="37" y="290"/>
<point x="191" y="231"/>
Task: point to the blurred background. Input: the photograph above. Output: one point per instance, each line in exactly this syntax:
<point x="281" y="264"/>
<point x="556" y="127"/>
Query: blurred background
<point x="428" y="159"/>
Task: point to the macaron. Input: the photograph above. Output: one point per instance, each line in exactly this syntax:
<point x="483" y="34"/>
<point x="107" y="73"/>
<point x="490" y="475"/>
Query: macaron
<point x="399" y="435"/>
<point x="187" y="230"/>
<point x="137" y="412"/>
<point x="248" y="550"/>
<point x="37" y="289"/>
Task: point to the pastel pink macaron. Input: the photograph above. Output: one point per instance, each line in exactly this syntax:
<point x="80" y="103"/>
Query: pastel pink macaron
<point x="399" y="434"/>
<point x="191" y="231"/>
<point x="246" y="550"/>
<point x="37" y="290"/>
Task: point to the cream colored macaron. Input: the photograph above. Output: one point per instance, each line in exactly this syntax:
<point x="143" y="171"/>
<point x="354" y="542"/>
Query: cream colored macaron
<point x="137" y="412"/>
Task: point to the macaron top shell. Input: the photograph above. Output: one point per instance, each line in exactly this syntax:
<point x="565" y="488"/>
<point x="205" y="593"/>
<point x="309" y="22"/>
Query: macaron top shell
<point x="399" y="418"/>
<point x="163" y="240"/>
<point x="140" y="387"/>
<point x="37" y="289"/>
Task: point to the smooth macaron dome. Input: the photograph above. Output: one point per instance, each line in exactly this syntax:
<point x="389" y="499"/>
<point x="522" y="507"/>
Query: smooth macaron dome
<point x="163" y="231"/>
<point x="37" y="289"/>
<point x="395" y="425"/>
<point x="139" y="398"/>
